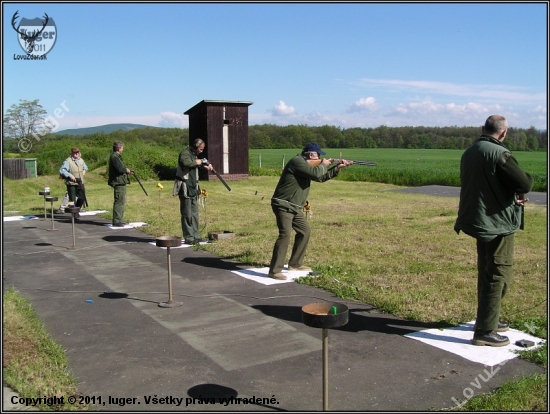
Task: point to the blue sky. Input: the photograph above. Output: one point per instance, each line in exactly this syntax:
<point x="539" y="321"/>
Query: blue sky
<point x="345" y="64"/>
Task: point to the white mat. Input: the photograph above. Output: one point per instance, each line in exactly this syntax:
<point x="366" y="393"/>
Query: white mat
<point x="183" y="244"/>
<point x="92" y="213"/>
<point x="260" y="275"/>
<point x="127" y="226"/>
<point x="458" y="341"/>
<point x="17" y="218"/>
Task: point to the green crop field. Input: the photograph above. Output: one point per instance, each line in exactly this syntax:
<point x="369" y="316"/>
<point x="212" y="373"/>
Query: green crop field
<point x="405" y="167"/>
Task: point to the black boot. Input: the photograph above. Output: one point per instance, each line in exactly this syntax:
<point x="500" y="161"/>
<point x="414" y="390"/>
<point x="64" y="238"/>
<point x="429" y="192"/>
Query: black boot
<point x="489" y="338"/>
<point x="502" y="327"/>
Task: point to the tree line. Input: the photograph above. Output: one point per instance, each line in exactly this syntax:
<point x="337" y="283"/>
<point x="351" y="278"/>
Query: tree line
<point x="408" y="137"/>
<point x="28" y="121"/>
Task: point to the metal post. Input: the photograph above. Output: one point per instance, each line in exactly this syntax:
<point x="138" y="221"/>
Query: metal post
<point x="53" y="221"/>
<point x="44" y="208"/>
<point x="72" y="222"/>
<point x="169" y="275"/>
<point x="168" y="242"/>
<point x="325" y="369"/>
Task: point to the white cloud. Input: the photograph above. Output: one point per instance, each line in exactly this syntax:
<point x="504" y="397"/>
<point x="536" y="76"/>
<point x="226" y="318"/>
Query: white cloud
<point x="501" y="93"/>
<point x="415" y="109"/>
<point x="173" y="120"/>
<point x="281" y="109"/>
<point x="317" y="118"/>
<point x="363" y="105"/>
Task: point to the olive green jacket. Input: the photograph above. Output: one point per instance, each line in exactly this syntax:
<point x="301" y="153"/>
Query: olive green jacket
<point x="293" y="187"/>
<point x="187" y="175"/>
<point x="117" y="171"/>
<point x="490" y="180"/>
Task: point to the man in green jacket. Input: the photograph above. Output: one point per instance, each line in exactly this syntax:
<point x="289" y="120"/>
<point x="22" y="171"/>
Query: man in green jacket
<point x="288" y="202"/>
<point x="187" y="188"/>
<point x="490" y="210"/>
<point x="118" y="178"/>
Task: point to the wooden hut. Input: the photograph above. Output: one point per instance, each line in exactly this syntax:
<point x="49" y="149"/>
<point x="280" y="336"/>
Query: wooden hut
<point x="223" y="126"/>
<point x="18" y="168"/>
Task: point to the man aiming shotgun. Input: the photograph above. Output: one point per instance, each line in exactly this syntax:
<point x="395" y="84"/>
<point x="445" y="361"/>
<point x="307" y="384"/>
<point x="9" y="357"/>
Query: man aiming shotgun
<point x="336" y="161"/>
<point x="287" y="204"/>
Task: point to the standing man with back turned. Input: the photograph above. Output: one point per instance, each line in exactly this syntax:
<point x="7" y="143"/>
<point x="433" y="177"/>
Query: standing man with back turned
<point x="118" y="178"/>
<point x="490" y="210"/>
<point x="288" y="203"/>
<point x="187" y="188"/>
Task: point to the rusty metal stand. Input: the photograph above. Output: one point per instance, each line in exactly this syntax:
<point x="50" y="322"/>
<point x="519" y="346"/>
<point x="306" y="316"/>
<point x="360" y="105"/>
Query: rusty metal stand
<point x="51" y="200"/>
<point x="74" y="211"/>
<point x="167" y="241"/>
<point x="325" y="315"/>
<point x="44" y="193"/>
<point x="325" y="369"/>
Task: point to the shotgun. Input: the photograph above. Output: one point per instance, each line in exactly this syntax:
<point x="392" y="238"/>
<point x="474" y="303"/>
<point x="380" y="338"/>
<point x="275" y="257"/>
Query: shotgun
<point x="221" y="179"/>
<point x="206" y="162"/>
<point x="315" y="163"/>
<point x="81" y="186"/>
<point x="139" y="182"/>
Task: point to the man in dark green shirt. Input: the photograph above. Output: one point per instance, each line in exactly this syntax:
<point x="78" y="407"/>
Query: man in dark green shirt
<point x="288" y="202"/>
<point x="187" y="188"/>
<point x="490" y="210"/>
<point x="118" y="178"/>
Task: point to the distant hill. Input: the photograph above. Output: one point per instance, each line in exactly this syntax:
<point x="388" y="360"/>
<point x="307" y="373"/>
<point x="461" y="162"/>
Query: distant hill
<point x="103" y="128"/>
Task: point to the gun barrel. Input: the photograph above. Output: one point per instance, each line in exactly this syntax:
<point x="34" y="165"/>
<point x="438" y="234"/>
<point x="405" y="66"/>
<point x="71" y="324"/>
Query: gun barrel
<point x="139" y="182"/>
<point x="221" y="179"/>
<point x="364" y="163"/>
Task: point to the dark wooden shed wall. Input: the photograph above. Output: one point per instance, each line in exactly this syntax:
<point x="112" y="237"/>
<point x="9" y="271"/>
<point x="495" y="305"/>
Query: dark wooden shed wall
<point x="18" y="168"/>
<point x="206" y="121"/>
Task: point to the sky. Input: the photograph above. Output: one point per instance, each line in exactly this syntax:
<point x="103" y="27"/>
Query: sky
<point x="355" y="64"/>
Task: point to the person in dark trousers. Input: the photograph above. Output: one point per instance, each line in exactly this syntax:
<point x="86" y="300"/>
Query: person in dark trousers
<point x="74" y="168"/>
<point x="288" y="202"/>
<point x="492" y="195"/>
<point x="118" y="178"/>
<point x="186" y="186"/>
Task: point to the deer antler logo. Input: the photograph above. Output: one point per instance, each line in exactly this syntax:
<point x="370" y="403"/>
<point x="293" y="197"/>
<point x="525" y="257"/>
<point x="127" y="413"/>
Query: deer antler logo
<point x="29" y="39"/>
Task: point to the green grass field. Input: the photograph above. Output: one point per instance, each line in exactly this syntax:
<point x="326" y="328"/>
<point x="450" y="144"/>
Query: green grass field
<point x="404" y="166"/>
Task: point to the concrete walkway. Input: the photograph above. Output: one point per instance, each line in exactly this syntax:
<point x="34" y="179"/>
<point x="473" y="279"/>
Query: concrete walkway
<point x="233" y="345"/>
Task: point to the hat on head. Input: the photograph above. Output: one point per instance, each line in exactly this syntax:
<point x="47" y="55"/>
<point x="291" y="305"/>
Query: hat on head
<point x="313" y="147"/>
<point x="74" y="150"/>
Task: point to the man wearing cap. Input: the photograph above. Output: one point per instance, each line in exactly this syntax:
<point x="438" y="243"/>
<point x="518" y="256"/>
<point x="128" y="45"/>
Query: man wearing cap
<point x="288" y="202"/>
<point x="74" y="168"/>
